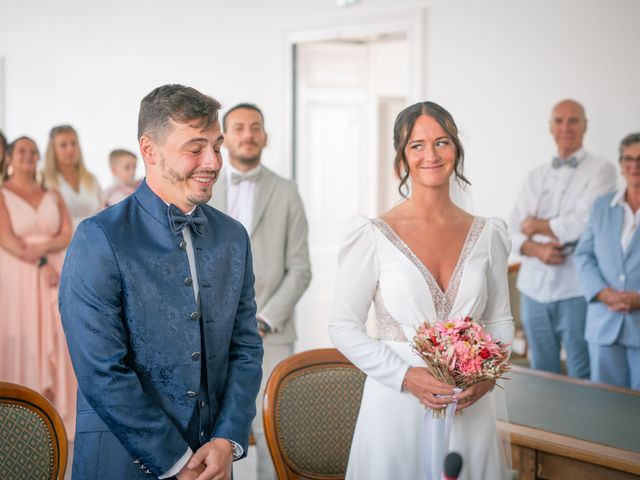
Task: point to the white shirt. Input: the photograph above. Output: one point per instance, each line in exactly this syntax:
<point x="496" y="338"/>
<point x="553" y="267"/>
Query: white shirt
<point x="81" y="204"/>
<point x="241" y="198"/>
<point x="630" y="220"/>
<point x="564" y="196"/>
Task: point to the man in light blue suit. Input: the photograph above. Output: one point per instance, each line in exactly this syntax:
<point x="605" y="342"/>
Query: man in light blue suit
<point x="157" y="303"/>
<point x="608" y="260"/>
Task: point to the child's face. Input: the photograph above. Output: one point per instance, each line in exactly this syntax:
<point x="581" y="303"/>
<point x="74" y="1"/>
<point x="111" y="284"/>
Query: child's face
<point x="124" y="168"/>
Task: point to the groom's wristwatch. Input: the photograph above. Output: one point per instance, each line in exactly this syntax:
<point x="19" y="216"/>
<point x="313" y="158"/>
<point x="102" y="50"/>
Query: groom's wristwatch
<point x="237" y="449"/>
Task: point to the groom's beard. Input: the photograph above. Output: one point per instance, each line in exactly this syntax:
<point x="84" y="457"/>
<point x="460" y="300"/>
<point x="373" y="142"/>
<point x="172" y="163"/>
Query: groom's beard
<point x="195" y="198"/>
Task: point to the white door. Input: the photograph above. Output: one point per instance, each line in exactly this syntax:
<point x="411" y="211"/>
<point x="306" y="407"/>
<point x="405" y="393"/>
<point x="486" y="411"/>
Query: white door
<point x="344" y="155"/>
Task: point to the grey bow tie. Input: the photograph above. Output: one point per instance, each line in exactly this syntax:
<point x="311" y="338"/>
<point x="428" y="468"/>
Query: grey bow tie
<point x="251" y="176"/>
<point x="569" y="162"/>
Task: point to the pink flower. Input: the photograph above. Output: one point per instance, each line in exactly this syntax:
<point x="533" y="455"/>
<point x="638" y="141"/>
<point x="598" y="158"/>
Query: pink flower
<point x="460" y="352"/>
<point x="471" y="366"/>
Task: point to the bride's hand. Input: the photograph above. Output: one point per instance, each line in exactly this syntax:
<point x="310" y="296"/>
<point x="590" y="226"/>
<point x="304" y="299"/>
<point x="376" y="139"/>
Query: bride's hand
<point x="430" y="392"/>
<point x="475" y="392"/>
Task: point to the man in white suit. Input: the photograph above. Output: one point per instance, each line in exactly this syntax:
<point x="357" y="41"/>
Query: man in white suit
<point x="271" y="210"/>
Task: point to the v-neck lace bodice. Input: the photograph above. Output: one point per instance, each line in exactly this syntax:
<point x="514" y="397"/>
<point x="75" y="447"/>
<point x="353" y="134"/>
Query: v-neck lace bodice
<point x="443" y="300"/>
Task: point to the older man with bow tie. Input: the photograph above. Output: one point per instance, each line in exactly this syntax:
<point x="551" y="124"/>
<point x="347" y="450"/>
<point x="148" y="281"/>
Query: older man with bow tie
<point x="547" y="221"/>
<point x="271" y="210"/>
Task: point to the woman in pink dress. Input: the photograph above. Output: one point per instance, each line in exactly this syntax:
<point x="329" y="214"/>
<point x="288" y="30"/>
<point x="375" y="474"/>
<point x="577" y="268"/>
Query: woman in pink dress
<point x="35" y="228"/>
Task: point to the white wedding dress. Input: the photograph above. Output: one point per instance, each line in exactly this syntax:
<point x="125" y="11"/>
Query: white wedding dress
<point x="393" y="436"/>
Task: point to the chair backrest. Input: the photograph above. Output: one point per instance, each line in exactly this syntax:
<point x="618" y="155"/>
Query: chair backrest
<point x="310" y="409"/>
<point x="33" y="441"/>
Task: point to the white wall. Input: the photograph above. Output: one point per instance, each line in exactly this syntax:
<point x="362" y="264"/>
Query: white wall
<point x="497" y="65"/>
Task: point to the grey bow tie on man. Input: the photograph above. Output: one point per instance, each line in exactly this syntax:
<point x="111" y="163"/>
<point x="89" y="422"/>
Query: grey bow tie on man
<point x="558" y="162"/>
<point x="250" y="176"/>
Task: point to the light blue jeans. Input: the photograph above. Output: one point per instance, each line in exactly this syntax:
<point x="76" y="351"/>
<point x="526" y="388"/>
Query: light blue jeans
<point x="550" y="325"/>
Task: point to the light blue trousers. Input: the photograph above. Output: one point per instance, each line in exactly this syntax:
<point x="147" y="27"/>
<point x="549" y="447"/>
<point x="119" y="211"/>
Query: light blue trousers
<point x="615" y="365"/>
<point x="552" y="324"/>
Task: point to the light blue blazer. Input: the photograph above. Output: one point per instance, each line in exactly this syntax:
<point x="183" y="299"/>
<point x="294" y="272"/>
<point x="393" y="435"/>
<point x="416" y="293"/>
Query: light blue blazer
<point x="601" y="263"/>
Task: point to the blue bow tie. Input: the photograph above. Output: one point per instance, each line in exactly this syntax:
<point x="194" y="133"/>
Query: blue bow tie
<point x="569" y="162"/>
<point x="178" y="220"/>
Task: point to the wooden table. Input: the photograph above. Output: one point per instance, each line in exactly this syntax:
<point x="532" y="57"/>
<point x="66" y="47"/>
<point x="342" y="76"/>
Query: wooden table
<point x="563" y="428"/>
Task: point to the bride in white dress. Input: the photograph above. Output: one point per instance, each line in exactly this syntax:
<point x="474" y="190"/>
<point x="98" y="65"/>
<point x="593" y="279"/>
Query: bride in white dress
<point x="402" y="262"/>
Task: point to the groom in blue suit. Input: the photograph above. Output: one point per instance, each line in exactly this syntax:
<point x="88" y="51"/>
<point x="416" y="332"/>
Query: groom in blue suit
<point x="157" y="304"/>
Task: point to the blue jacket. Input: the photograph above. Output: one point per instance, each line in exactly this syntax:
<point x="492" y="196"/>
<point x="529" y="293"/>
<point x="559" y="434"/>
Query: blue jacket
<point x="132" y="325"/>
<point x="602" y="264"/>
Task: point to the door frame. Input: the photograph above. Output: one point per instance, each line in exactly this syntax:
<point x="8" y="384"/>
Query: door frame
<point x="411" y="23"/>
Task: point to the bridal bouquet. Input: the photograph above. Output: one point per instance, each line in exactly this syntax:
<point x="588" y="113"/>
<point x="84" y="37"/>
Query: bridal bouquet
<point x="459" y="352"/>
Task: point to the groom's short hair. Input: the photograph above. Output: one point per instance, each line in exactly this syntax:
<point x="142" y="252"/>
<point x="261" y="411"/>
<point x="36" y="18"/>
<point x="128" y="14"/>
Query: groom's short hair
<point x="178" y="103"/>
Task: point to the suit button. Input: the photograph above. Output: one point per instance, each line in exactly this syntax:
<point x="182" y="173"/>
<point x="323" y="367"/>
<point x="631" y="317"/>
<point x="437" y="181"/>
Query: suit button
<point x="622" y="278"/>
<point x="188" y="281"/>
<point x="203" y="404"/>
<point x="183" y="245"/>
<point x="195" y="356"/>
<point x="194" y="316"/>
<point x="191" y="394"/>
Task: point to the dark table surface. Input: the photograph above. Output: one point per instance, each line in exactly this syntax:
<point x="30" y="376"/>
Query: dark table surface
<point x="576" y="410"/>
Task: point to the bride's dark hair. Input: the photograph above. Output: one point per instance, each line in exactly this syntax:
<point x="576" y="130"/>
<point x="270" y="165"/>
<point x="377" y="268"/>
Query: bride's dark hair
<point x="405" y="121"/>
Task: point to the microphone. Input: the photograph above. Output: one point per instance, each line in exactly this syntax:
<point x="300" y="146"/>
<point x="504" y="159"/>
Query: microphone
<point x="452" y="466"/>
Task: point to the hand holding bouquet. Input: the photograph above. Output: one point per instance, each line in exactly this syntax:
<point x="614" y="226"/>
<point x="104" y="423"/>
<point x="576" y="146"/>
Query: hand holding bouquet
<point x="460" y="352"/>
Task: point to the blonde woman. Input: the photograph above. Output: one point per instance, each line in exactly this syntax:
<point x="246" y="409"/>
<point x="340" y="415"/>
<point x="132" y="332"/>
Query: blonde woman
<point x="64" y="171"/>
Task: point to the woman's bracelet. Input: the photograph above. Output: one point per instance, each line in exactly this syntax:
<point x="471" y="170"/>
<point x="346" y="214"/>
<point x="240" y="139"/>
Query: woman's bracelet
<point x="404" y="387"/>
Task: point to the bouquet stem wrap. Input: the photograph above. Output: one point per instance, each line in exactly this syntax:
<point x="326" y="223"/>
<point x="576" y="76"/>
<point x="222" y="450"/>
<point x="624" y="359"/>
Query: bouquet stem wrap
<point x="439" y="441"/>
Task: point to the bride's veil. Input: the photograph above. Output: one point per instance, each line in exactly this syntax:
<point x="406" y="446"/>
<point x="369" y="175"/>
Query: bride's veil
<point x="499" y="401"/>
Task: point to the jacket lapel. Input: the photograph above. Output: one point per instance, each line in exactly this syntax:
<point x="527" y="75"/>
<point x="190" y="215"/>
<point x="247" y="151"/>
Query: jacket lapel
<point x="632" y="244"/>
<point x="615" y="228"/>
<point x="264" y="189"/>
<point x="219" y="196"/>
<point x="152" y="204"/>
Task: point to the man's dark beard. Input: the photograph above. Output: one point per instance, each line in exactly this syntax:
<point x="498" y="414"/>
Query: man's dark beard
<point x="249" y="161"/>
<point x="171" y="174"/>
<point x="175" y="177"/>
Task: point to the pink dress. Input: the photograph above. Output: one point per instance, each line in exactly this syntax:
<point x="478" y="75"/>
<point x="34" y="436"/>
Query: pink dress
<point x="33" y="349"/>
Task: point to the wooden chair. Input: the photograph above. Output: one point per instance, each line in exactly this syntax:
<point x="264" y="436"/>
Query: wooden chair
<point x="33" y="441"/>
<point x="310" y="408"/>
